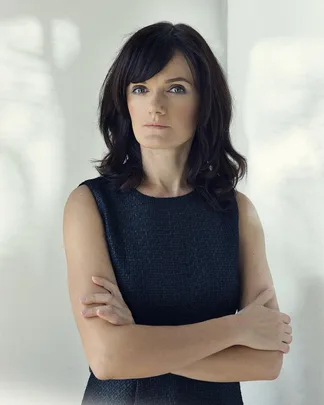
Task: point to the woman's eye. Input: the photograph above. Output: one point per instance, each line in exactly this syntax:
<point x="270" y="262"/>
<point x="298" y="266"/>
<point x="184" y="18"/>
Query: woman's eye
<point x="179" y="87"/>
<point x="183" y="90"/>
<point x="136" y="88"/>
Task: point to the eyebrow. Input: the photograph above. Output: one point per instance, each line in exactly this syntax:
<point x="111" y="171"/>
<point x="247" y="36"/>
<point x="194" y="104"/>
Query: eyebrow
<point x="176" y="79"/>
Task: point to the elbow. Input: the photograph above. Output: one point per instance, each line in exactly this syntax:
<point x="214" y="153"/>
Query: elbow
<point x="98" y="368"/>
<point x="108" y="364"/>
<point x="100" y="359"/>
<point x="101" y="369"/>
<point x="99" y="374"/>
<point x="276" y="365"/>
<point x="104" y="368"/>
<point x="115" y="359"/>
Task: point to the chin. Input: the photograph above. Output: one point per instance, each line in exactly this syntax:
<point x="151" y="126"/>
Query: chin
<point x="153" y="139"/>
<point x="157" y="145"/>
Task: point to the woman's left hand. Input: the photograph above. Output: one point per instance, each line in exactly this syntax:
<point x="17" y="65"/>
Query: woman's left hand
<point x="111" y="305"/>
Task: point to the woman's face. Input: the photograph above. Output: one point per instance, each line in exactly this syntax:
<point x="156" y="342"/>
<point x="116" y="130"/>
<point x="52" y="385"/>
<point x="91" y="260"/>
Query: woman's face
<point x="164" y="102"/>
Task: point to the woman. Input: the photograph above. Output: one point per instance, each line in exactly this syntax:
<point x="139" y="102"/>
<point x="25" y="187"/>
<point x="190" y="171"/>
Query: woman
<point x="182" y="307"/>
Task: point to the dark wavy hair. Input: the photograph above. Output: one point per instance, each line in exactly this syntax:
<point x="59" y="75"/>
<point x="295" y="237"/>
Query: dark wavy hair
<point x="214" y="167"/>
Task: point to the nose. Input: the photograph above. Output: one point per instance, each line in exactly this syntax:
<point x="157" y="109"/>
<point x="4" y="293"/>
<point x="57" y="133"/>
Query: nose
<point x="156" y="106"/>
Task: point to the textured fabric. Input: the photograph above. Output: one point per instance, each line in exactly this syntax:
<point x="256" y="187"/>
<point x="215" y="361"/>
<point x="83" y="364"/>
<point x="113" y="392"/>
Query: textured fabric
<point x="176" y="263"/>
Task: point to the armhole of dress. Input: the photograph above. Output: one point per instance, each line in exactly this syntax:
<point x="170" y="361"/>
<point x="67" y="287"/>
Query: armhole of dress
<point x="95" y="196"/>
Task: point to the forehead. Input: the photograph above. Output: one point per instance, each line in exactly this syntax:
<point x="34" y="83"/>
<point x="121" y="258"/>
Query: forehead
<point x="178" y="65"/>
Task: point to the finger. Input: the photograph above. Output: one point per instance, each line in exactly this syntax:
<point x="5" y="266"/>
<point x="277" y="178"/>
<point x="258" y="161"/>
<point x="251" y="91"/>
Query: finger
<point x="91" y="312"/>
<point x="284" y="347"/>
<point x="287" y="338"/>
<point x="104" y="282"/>
<point x="107" y="284"/>
<point x="111" y="316"/>
<point x="125" y="315"/>
<point x="108" y="313"/>
<point x="112" y="288"/>
<point x="102" y="298"/>
<point x="97" y="298"/>
<point x="288" y="329"/>
<point x="115" y="316"/>
<point x="285" y="318"/>
<point x="264" y="297"/>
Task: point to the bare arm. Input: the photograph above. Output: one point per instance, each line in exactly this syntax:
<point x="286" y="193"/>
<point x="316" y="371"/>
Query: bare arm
<point x="130" y="351"/>
<point x="240" y="363"/>
<point x="145" y="351"/>
<point x="237" y="363"/>
<point x="255" y="271"/>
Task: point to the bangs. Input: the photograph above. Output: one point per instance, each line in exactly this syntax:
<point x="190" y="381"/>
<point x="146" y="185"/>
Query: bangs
<point x="149" y="58"/>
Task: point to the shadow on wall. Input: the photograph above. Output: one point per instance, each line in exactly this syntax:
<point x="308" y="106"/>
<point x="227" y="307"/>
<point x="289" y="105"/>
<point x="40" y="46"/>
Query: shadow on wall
<point x="54" y="58"/>
<point x="283" y="119"/>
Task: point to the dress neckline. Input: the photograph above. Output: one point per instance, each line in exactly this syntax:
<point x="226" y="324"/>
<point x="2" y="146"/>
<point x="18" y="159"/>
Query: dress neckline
<point x="150" y="198"/>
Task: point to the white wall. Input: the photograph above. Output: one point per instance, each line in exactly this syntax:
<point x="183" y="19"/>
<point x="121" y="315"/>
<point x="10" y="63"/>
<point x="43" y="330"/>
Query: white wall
<point x="276" y="72"/>
<point x="54" y="57"/>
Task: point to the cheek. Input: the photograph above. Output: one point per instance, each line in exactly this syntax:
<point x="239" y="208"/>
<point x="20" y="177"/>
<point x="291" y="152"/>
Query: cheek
<point x="135" y="111"/>
<point x="187" y="114"/>
<point x="131" y="108"/>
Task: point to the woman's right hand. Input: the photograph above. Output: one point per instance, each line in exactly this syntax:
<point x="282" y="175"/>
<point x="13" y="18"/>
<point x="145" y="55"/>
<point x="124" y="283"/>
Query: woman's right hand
<point x="263" y="328"/>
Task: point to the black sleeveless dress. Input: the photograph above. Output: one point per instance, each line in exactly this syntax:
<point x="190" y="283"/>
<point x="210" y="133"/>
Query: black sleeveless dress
<point x="176" y="262"/>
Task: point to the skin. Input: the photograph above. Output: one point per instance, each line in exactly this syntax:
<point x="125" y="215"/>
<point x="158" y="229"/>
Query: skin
<point x="174" y="104"/>
<point x="111" y="305"/>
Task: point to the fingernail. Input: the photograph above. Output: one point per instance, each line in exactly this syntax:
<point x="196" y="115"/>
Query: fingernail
<point x="83" y="299"/>
<point x="83" y="312"/>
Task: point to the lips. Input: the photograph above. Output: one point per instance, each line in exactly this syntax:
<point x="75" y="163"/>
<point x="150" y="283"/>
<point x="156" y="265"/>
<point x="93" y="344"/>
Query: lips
<point x="156" y="126"/>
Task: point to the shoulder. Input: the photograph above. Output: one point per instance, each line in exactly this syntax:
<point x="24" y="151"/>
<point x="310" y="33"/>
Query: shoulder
<point x="81" y="196"/>
<point x="249" y="220"/>
<point x="89" y="201"/>
<point x="90" y="190"/>
<point x="250" y="225"/>
<point x="244" y="203"/>
<point x="81" y="207"/>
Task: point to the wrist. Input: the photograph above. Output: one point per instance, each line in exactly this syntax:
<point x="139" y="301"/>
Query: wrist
<point x="239" y="326"/>
<point x="230" y="325"/>
<point x="236" y="327"/>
